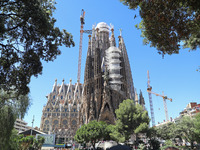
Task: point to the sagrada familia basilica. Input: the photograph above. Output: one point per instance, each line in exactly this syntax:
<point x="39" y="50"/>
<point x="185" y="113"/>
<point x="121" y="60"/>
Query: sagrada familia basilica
<point x="107" y="82"/>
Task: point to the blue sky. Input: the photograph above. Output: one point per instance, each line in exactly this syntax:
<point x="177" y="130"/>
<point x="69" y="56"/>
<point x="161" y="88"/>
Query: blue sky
<point x="176" y="75"/>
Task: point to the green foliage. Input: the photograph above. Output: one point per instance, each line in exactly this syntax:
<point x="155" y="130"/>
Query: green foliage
<point x="7" y="119"/>
<point x="106" y="130"/>
<point x="165" y="24"/>
<point x="19" y="142"/>
<point x="116" y="135"/>
<point x="197" y="127"/>
<point x="131" y="119"/>
<point x="142" y="147"/>
<point x="186" y="128"/>
<point x="168" y="143"/>
<point x="30" y="142"/>
<point x="167" y="131"/>
<point x="10" y="109"/>
<point x="154" y="143"/>
<point x="152" y="135"/>
<point x="14" y="140"/>
<point x="81" y="135"/>
<point x="92" y="132"/>
<point x="27" y="36"/>
<point x="151" y="132"/>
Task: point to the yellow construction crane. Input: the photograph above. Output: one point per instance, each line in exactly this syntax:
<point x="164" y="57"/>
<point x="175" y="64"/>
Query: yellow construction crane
<point x="149" y="88"/>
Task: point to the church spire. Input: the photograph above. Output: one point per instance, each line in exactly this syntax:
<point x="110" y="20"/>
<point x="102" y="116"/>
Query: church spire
<point x="136" y="97"/>
<point x="93" y="39"/>
<point x="141" y="98"/>
<point x="55" y="87"/>
<point x="120" y="40"/>
<point x="97" y="37"/>
<point x="89" y="46"/>
<point x="122" y="47"/>
<point x="112" y="39"/>
<point x="62" y="88"/>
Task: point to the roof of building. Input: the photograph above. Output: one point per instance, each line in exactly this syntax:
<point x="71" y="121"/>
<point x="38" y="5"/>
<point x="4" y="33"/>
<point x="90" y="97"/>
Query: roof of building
<point x="102" y="26"/>
<point x="34" y="132"/>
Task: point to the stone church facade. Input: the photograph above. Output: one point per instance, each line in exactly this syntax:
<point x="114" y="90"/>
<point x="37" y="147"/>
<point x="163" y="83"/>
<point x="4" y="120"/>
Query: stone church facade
<point x="108" y="78"/>
<point x="61" y="115"/>
<point x="107" y="82"/>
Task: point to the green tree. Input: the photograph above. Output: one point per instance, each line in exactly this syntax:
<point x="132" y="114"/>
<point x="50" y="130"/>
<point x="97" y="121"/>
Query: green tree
<point x="81" y="135"/>
<point x="91" y="132"/>
<point x="7" y="119"/>
<point x="153" y="138"/>
<point x="14" y="140"/>
<point x="10" y="109"/>
<point x="167" y="23"/>
<point x="186" y="129"/>
<point x="27" y="36"/>
<point x="166" y="131"/>
<point x="30" y="142"/>
<point x="168" y="143"/>
<point x="197" y="127"/>
<point x="108" y="129"/>
<point x="116" y="135"/>
<point x="131" y="118"/>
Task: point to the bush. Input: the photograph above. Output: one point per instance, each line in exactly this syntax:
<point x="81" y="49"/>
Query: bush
<point x="168" y="144"/>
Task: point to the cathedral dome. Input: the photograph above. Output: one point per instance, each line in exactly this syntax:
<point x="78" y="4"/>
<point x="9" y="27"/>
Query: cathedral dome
<point x="103" y="27"/>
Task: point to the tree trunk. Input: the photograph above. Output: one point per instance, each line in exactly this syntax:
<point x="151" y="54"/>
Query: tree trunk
<point x="192" y="144"/>
<point x="136" y="135"/>
<point x="93" y="145"/>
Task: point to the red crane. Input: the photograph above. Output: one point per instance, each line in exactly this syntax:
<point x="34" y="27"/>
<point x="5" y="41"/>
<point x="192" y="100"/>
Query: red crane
<point x="82" y="19"/>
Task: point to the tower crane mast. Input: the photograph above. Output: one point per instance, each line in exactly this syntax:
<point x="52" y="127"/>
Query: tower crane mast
<point x="82" y="19"/>
<point x="150" y="100"/>
<point x="149" y="88"/>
